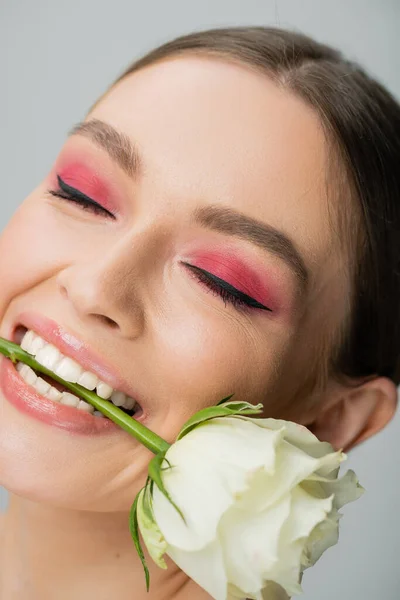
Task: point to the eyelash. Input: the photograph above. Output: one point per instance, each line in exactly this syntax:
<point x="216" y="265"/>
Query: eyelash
<point x="221" y="288"/>
<point x="66" y="192"/>
<point x="227" y="292"/>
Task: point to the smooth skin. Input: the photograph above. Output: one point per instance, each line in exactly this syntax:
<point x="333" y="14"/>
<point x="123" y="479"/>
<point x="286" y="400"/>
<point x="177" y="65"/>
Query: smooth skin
<point x="209" y="132"/>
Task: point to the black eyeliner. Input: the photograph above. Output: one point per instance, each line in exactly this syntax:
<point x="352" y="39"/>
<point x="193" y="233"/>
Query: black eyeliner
<point x="232" y="290"/>
<point x="67" y="192"/>
<point x="67" y="189"/>
<point x="224" y="285"/>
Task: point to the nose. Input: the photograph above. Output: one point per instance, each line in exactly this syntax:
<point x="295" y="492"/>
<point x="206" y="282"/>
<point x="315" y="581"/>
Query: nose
<point x="105" y="292"/>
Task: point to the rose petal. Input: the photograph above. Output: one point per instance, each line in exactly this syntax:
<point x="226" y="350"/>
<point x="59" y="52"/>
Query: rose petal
<point x="302" y="438"/>
<point x="250" y="543"/>
<point x="211" y="467"/>
<point x="346" y="489"/>
<point x="323" y="536"/>
<point x="299" y="436"/>
<point x="231" y="440"/>
<point x="305" y="513"/>
<point x="205" y="567"/>
<point x="292" y="467"/>
<point x="273" y="591"/>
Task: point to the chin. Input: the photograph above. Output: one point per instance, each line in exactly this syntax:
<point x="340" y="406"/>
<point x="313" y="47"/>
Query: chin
<point x="38" y="486"/>
<point x="76" y="486"/>
<point x="34" y="468"/>
<point x="58" y="468"/>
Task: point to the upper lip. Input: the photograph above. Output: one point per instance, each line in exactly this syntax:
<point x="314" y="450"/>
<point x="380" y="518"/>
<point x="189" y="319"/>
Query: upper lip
<point x="72" y="346"/>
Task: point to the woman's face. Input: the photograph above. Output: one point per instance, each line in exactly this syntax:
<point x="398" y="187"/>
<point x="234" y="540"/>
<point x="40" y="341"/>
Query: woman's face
<point x="198" y="167"/>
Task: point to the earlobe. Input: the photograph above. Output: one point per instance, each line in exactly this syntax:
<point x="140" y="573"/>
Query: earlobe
<point x="386" y="397"/>
<point x="357" y="414"/>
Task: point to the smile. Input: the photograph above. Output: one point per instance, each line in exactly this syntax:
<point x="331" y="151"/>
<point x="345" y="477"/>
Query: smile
<point x="68" y="369"/>
<point x="73" y="360"/>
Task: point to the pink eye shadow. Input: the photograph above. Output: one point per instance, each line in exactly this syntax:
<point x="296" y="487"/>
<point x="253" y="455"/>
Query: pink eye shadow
<point x="88" y="182"/>
<point x="235" y="272"/>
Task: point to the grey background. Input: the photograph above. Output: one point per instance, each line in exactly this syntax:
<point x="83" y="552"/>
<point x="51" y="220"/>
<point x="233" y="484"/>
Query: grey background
<point x="57" y="56"/>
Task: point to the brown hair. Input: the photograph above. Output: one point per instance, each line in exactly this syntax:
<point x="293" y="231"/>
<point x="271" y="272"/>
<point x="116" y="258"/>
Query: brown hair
<point x="362" y="119"/>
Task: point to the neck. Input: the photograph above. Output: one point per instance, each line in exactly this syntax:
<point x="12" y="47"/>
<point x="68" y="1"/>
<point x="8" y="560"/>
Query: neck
<point x="63" y="554"/>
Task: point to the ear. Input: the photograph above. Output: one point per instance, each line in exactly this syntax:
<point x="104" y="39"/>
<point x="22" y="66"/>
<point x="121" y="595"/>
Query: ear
<point x="355" y="414"/>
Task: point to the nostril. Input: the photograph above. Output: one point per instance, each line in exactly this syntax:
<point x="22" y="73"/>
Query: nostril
<point x="108" y="321"/>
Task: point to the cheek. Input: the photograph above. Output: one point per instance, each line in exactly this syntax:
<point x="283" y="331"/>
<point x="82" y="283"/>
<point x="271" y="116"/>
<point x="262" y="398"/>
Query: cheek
<point x="38" y="242"/>
<point x="198" y="361"/>
<point x="26" y="244"/>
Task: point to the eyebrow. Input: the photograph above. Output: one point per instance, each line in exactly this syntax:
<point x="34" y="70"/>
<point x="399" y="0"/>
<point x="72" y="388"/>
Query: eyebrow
<point x="221" y="219"/>
<point x="116" y="144"/>
<point x="231" y="222"/>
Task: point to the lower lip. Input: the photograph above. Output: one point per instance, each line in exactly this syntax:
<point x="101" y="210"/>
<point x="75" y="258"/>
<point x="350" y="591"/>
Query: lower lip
<point x="27" y="400"/>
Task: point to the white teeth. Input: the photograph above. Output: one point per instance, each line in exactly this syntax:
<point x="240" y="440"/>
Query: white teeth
<point x="36" y="345"/>
<point x="28" y="375"/>
<point x="27" y="341"/>
<point x="41" y="386"/>
<point x="88" y="380"/>
<point x="69" y="399"/>
<point x="54" y="394"/>
<point x="130" y="403"/>
<point x="85" y="406"/>
<point x="122" y="400"/>
<point x="32" y="343"/>
<point x="69" y="370"/>
<point x="118" y="398"/>
<point x="104" y="390"/>
<point x="49" y="356"/>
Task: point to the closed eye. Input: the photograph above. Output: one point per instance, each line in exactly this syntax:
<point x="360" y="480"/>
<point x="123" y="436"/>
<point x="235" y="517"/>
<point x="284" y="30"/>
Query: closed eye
<point x="225" y="290"/>
<point x="71" y="194"/>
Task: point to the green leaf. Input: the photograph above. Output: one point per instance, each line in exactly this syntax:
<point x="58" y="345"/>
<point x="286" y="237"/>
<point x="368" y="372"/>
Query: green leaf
<point x="151" y="533"/>
<point x="155" y="468"/>
<point x="228" y="409"/>
<point x="225" y="400"/>
<point x="146" y="503"/>
<point x="134" y="529"/>
<point x="168" y="467"/>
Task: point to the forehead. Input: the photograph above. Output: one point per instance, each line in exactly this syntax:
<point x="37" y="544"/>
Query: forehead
<point x="219" y="132"/>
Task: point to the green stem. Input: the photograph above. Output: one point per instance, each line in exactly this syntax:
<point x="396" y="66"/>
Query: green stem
<point x="145" y="436"/>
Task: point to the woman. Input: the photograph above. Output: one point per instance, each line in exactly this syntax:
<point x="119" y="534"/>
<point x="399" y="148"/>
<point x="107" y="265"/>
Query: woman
<point x="226" y="220"/>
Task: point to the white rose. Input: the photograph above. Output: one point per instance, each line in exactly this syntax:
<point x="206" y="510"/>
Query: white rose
<point x="260" y="500"/>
